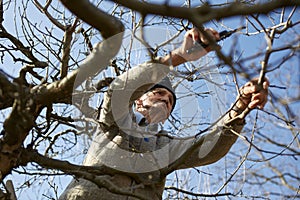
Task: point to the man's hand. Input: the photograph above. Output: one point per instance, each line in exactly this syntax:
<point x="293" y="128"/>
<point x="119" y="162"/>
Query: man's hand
<point x="252" y="95"/>
<point x="181" y="55"/>
<point x="193" y="37"/>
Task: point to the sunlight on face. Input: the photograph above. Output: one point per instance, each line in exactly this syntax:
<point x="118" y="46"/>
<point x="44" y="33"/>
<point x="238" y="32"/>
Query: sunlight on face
<point x="155" y="105"/>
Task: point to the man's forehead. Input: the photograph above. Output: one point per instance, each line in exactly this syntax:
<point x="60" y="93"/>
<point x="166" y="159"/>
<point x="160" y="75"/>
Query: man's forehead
<point x="165" y="91"/>
<point x="161" y="90"/>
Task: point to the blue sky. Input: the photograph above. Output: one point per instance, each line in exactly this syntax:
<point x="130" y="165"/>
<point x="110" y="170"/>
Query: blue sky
<point x="286" y="76"/>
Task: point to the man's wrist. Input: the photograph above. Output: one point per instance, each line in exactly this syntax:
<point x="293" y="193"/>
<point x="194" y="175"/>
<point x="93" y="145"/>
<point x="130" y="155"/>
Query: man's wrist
<point x="237" y="109"/>
<point x="173" y="58"/>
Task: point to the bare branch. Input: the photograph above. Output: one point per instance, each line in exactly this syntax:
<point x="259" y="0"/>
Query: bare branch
<point x="106" y="24"/>
<point x="45" y="11"/>
<point x="67" y="48"/>
<point x="205" y="13"/>
<point x="20" y="46"/>
<point x="97" y="175"/>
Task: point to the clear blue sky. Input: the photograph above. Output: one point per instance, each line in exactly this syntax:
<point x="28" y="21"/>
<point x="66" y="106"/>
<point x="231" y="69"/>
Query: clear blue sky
<point x="246" y="45"/>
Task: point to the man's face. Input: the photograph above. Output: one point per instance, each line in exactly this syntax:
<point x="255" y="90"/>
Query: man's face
<point x="155" y="105"/>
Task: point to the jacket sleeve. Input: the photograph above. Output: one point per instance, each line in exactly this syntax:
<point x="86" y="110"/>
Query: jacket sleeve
<point x="208" y="147"/>
<point x="128" y="87"/>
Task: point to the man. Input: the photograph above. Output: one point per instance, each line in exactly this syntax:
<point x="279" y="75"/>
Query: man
<point x="131" y="143"/>
<point x="157" y="104"/>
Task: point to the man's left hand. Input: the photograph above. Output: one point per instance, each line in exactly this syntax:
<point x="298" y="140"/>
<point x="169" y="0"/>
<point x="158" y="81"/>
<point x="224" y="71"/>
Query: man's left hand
<point x="252" y="95"/>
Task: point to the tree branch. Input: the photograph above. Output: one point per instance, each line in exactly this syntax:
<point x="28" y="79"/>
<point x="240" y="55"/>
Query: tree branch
<point x="106" y="24"/>
<point x="67" y="48"/>
<point x="20" y="46"/>
<point x="205" y="13"/>
<point x="98" y="175"/>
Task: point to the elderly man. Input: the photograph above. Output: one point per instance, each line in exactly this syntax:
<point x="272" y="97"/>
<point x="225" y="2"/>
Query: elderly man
<point x="131" y="143"/>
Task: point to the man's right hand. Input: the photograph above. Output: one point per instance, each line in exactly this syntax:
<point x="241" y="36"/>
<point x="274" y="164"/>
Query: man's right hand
<point x="181" y="55"/>
<point x="193" y="37"/>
